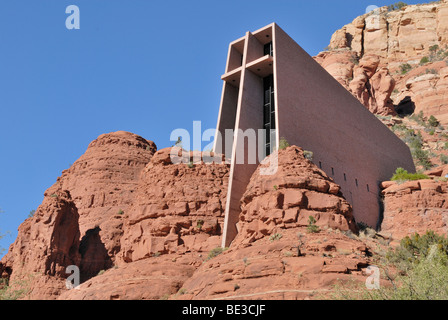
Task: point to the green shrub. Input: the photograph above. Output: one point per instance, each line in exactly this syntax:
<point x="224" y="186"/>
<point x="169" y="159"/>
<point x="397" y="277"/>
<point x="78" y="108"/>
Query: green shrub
<point x="199" y="224"/>
<point x="444" y="159"/>
<point x="405" y="68"/>
<point x="15" y="291"/>
<point x="31" y="214"/>
<point x="421" y="264"/>
<point x="403" y="175"/>
<point x="275" y="237"/>
<point x="215" y="252"/>
<point x="312" y="228"/>
<point x="396" y="6"/>
<point x="308" y="155"/>
<point x="434" y="48"/>
<point x="421" y="158"/>
<point x="426" y="280"/>
<point x="414" y="248"/>
<point x="433" y="122"/>
<point x="424" y="60"/>
<point x="283" y="144"/>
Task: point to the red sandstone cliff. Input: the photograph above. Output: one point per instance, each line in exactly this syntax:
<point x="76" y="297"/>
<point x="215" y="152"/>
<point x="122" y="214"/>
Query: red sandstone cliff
<point x="140" y="227"/>
<point x="149" y="235"/>
<point x="389" y="57"/>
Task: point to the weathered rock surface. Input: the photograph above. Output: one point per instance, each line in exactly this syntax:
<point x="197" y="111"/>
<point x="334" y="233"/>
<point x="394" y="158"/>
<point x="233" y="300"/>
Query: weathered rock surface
<point x="102" y="183"/>
<point x="149" y="279"/>
<point x="389" y="40"/>
<point x="274" y="256"/>
<point x="46" y="244"/>
<point x="296" y="266"/>
<point x="78" y="222"/>
<point x="176" y="208"/>
<point x="298" y="190"/>
<point x="173" y="219"/>
<point x="293" y="266"/>
<point x="415" y="207"/>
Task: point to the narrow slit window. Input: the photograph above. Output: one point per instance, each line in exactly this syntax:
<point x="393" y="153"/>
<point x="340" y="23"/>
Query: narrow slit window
<point x="356" y="182"/>
<point x="332" y="171"/>
<point x="269" y="114"/>
<point x="268" y="49"/>
<point x="368" y="188"/>
<point x="345" y="177"/>
<point x="320" y="165"/>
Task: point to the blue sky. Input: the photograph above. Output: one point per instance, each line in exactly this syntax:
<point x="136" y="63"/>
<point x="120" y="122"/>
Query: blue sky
<point x="142" y="66"/>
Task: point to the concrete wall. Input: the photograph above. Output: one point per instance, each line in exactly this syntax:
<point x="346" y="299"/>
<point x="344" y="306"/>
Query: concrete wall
<point x="248" y="116"/>
<point x="313" y="112"/>
<point x="316" y="113"/>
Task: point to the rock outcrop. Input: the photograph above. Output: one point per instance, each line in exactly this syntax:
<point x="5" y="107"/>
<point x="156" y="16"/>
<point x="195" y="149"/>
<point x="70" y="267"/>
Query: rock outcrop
<point x="415" y="207"/>
<point x="294" y="265"/>
<point x="155" y="241"/>
<point x="46" y="244"/>
<point x="386" y="57"/>
<point x="274" y="255"/>
<point x="176" y="208"/>
<point x="85" y="203"/>
<point x="286" y="199"/>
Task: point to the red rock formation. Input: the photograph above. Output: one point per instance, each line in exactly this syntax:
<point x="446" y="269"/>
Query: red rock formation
<point x="373" y="87"/>
<point x="46" y="244"/>
<point x="396" y="38"/>
<point x="176" y="208"/>
<point x="102" y="183"/>
<point x="155" y="278"/>
<point x="162" y="261"/>
<point x="415" y="207"/>
<point x="273" y="255"/>
<point x="93" y="192"/>
<point x="296" y="265"/>
<point x="288" y="198"/>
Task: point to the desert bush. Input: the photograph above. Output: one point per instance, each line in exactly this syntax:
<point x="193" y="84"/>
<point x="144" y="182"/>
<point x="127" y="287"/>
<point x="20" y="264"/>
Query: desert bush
<point x="433" y="122"/>
<point x="308" y="155"/>
<point x="421" y="157"/>
<point x="17" y="290"/>
<point x="403" y="175"/>
<point x="312" y="228"/>
<point x="215" y="252"/>
<point x="434" y="48"/>
<point x="421" y="264"/>
<point x="275" y="237"/>
<point x="444" y="159"/>
<point x="396" y="6"/>
<point x="424" y="60"/>
<point x="405" y="68"/>
<point x="283" y="144"/>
